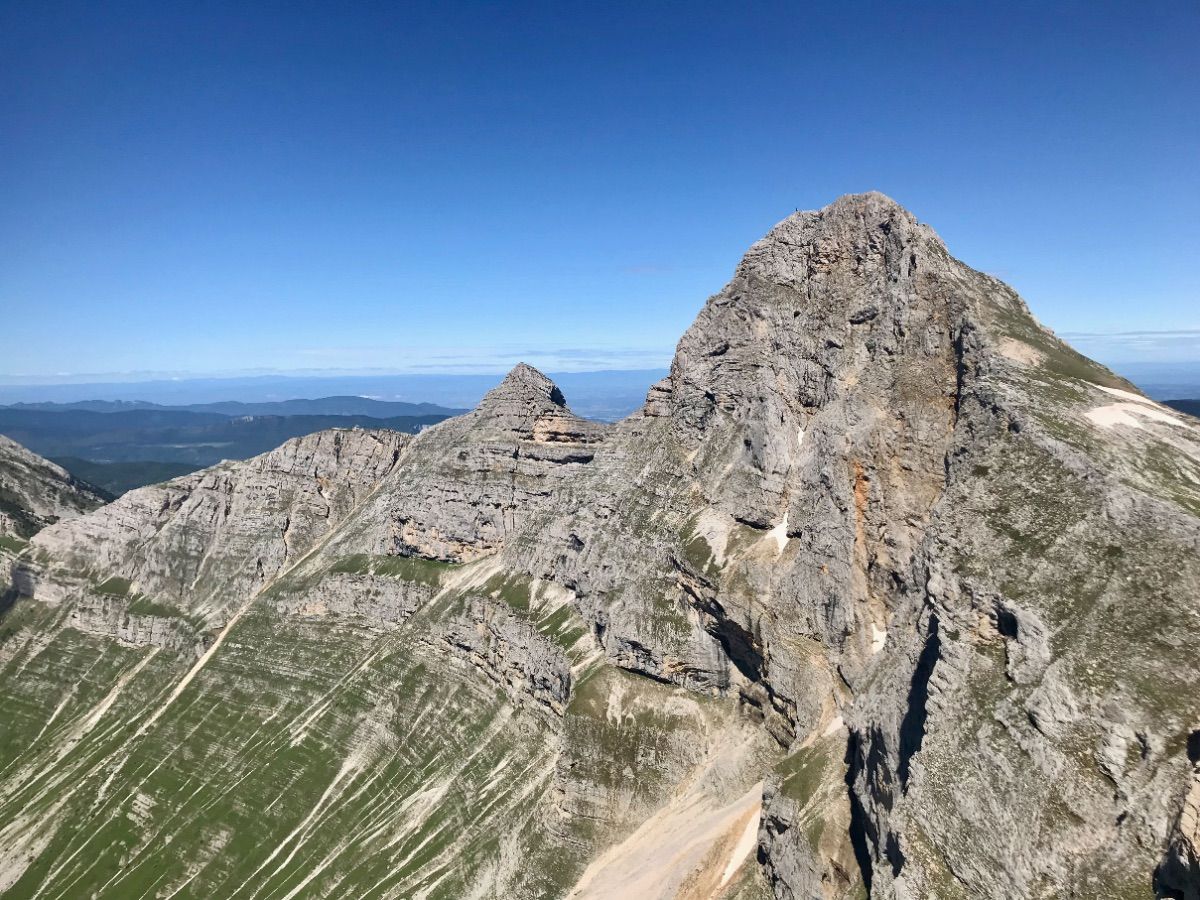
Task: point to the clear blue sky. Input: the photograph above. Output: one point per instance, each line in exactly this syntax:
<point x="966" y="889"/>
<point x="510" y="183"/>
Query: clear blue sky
<point x="209" y="187"/>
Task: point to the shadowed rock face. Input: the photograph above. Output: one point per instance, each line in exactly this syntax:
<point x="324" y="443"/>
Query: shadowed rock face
<point x="882" y="566"/>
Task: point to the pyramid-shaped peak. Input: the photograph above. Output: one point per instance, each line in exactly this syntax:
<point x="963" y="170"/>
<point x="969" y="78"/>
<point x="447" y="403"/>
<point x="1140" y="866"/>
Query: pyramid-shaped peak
<point x="524" y="386"/>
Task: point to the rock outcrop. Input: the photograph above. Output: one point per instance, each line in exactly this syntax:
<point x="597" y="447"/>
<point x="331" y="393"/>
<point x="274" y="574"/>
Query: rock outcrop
<point x="34" y="493"/>
<point x="885" y="592"/>
<point x="202" y="543"/>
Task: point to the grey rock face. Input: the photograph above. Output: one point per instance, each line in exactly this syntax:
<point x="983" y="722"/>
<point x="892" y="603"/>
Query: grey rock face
<point x="471" y="483"/>
<point x="34" y="493"/>
<point x="376" y="598"/>
<point x="198" y="545"/>
<point x="111" y="617"/>
<point x="939" y="570"/>
<point x="1180" y="869"/>
<point x="510" y="652"/>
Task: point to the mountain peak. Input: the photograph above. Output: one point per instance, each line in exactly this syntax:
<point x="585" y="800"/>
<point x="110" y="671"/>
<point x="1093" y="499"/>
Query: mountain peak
<point x="524" y="396"/>
<point x="872" y="206"/>
<point x="855" y="228"/>
<point x="525" y="384"/>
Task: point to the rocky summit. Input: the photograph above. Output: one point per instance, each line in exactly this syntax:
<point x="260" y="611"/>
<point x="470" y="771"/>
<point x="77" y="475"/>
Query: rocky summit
<point x="885" y="592"/>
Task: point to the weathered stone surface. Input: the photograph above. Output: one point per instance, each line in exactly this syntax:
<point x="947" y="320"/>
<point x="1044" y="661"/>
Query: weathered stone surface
<point x="111" y="617"/>
<point x="377" y="598"/>
<point x="34" y="493"/>
<point x="202" y="543"/>
<point x="509" y="651"/>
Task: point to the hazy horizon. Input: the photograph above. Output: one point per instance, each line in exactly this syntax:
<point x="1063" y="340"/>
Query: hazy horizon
<point x="604" y="393"/>
<point x="599" y="394"/>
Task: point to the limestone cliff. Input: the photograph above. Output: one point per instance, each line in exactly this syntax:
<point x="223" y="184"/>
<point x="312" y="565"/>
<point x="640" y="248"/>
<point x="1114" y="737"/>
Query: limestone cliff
<point x="34" y="493"/>
<point x="884" y="592"/>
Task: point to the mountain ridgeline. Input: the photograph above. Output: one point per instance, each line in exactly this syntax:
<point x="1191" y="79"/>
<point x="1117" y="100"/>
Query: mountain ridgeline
<point x="884" y="592"/>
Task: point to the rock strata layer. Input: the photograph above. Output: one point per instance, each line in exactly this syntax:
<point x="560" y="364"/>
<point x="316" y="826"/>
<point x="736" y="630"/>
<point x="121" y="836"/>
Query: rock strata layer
<point x="34" y="493"/>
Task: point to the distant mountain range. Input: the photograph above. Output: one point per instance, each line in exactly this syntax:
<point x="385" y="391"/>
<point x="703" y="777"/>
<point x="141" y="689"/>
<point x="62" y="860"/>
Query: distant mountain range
<point x="197" y="438"/>
<point x="120" y="445"/>
<point x="126" y="441"/>
<point x="608" y="395"/>
<point x="322" y="406"/>
<point x="113" y="479"/>
<point x="1191" y="407"/>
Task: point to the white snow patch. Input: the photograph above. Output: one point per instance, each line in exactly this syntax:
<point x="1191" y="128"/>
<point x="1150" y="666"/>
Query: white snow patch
<point x="779" y="534"/>
<point x="834" y="725"/>
<point x="878" y="638"/>
<point x="1128" y="413"/>
<point x="1124" y="395"/>
<point x="747" y="842"/>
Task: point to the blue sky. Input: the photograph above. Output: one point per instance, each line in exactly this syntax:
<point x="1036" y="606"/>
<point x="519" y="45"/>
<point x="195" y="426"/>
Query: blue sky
<point x="216" y="188"/>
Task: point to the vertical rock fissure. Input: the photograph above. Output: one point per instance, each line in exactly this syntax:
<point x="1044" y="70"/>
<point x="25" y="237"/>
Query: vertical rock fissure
<point x="960" y="368"/>
<point x="895" y="856"/>
<point x="912" y="726"/>
<point x="1007" y="624"/>
<point x="860" y="822"/>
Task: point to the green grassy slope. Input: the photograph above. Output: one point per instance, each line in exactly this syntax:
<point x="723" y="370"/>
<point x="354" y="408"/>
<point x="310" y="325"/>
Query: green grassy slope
<point x="342" y="761"/>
